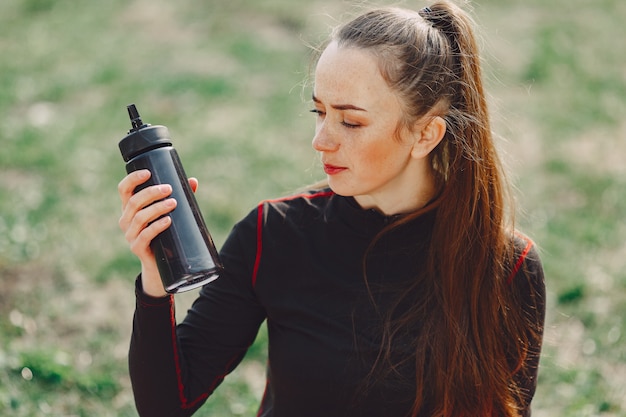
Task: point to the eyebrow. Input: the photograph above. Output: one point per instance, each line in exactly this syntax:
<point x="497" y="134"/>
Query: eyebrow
<point x="339" y="106"/>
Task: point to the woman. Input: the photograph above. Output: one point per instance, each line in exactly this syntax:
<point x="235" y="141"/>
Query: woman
<point x="398" y="290"/>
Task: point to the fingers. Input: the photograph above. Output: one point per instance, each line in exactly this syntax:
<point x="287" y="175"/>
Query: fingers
<point x="129" y="183"/>
<point x="144" y="213"/>
<point x="142" y="207"/>
<point x="140" y="243"/>
<point x="138" y="219"/>
<point x="142" y="225"/>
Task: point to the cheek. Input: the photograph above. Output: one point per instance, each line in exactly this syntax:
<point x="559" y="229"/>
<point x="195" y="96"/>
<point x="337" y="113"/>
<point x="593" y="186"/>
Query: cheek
<point x="376" y="154"/>
<point x="381" y="146"/>
<point x="373" y="157"/>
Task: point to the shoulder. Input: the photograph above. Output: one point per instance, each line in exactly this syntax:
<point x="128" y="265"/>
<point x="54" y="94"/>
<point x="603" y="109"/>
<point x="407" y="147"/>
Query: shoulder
<point x="283" y="212"/>
<point x="526" y="273"/>
<point x="304" y="198"/>
<point x="525" y="255"/>
<point x="293" y="205"/>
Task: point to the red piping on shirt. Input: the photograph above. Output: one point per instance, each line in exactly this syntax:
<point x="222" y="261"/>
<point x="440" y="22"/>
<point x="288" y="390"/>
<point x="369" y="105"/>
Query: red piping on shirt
<point x="267" y="385"/>
<point x="184" y="402"/>
<point x="259" y="225"/>
<point x="518" y="266"/>
<point x="259" y="243"/>
<point x="522" y="258"/>
<point x="179" y="378"/>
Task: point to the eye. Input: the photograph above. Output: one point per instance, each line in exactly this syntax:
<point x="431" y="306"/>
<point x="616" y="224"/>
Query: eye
<point x="349" y="125"/>
<point x="322" y="113"/>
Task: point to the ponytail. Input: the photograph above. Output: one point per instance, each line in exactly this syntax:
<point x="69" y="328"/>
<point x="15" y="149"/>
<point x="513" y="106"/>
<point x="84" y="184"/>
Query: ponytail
<point x="467" y="338"/>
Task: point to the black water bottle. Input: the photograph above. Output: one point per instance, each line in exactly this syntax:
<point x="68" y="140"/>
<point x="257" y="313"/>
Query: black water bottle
<point x="185" y="253"/>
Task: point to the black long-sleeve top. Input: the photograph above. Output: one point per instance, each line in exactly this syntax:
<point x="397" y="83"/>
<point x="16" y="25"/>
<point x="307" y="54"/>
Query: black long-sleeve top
<point x="298" y="263"/>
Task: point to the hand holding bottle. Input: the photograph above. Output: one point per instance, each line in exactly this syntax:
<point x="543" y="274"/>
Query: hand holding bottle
<point x="139" y="212"/>
<point x="160" y="215"/>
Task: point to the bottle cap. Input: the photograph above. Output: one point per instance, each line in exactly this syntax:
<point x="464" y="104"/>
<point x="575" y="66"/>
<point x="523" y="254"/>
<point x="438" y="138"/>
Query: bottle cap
<point x="142" y="137"/>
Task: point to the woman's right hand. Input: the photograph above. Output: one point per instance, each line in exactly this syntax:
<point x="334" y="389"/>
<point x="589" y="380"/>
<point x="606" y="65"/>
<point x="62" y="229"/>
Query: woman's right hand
<point x="139" y="223"/>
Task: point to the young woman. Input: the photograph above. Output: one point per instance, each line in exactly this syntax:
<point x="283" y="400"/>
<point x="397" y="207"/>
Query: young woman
<point x="401" y="289"/>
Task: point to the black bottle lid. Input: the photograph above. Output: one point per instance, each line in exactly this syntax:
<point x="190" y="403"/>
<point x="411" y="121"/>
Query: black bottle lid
<point x="142" y="137"/>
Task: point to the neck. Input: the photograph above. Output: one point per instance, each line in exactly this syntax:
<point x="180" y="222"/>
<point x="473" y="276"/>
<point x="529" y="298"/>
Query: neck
<point x="400" y="203"/>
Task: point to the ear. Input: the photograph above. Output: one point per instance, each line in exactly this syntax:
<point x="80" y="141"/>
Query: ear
<point x="428" y="137"/>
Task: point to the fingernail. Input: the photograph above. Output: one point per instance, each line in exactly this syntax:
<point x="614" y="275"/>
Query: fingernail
<point x="165" y="188"/>
<point x="143" y="174"/>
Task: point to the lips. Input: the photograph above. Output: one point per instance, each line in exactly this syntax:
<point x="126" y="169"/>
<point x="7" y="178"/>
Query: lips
<point x="333" y="169"/>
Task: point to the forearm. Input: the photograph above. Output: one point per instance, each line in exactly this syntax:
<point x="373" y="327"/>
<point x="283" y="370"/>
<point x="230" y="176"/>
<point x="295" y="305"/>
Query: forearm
<point x="175" y="368"/>
<point x="155" y="371"/>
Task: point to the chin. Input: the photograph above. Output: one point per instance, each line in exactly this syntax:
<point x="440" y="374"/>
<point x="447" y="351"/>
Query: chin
<point x="339" y="190"/>
<point x="348" y="193"/>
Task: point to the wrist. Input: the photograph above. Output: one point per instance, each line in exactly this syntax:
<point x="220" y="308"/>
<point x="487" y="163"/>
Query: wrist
<point x="151" y="281"/>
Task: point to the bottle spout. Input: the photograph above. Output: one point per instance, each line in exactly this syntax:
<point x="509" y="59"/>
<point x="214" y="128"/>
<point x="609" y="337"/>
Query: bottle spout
<point x="135" y="119"/>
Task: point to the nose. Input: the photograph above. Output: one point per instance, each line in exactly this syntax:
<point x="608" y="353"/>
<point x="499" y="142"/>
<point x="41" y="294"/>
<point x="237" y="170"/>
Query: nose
<point x="324" y="140"/>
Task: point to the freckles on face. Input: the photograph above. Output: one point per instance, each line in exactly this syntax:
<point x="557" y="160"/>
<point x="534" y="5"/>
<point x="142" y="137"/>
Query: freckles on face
<point x="358" y="115"/>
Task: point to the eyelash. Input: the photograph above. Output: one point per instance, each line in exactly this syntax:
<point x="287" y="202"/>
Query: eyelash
<point x="320" y="113"/>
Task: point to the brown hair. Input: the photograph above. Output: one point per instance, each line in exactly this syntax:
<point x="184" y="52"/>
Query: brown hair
<point x="470" y="343"/>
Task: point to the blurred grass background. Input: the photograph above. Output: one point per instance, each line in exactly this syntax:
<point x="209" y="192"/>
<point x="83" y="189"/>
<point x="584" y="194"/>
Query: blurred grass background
<point x="229" y="78"/>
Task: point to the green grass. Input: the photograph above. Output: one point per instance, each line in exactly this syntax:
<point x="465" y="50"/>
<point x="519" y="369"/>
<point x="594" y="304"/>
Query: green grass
<point x="230" y="82"/>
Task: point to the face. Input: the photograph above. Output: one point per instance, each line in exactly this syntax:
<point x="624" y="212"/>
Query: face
<point x="356" y="132"/>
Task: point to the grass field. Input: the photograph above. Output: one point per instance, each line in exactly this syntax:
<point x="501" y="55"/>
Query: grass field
<point x="229" y="79"/>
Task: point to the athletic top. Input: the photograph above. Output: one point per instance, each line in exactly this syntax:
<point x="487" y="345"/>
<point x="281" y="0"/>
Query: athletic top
<point x="298" y="262"/>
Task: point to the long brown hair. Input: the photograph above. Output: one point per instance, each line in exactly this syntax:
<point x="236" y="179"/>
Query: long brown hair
<point x="470" y="343"/>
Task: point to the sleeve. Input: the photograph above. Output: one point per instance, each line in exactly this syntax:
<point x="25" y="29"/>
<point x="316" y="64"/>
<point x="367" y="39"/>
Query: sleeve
<point x="529" y="287"/>
<point x="174" y="368"/>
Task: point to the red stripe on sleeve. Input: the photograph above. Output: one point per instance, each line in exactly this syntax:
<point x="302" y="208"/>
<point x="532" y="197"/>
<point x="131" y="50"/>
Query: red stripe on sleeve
<point x="184" y="402"/>
<point x="179" y="376"/>
<point x="521" y="259"/>
<point x="259" y="243"/>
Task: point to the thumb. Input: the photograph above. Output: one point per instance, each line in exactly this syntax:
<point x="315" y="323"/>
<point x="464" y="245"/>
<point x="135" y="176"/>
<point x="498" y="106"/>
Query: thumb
<point x="193" y="183"/>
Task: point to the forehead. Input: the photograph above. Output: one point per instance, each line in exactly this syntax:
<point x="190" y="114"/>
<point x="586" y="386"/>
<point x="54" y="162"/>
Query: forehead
<point x="351" y="75"/>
